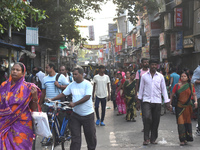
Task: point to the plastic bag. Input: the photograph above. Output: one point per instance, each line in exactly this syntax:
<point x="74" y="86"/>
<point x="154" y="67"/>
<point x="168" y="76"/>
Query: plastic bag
<point x="41" y="124"/>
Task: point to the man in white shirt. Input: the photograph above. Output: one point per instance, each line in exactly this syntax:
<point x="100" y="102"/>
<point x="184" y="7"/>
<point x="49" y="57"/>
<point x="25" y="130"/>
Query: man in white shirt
<point x="83" y="112"/>
<point x="102" y="89"/>
<point x="152" y="85"/>
<point x="66" y="72"/>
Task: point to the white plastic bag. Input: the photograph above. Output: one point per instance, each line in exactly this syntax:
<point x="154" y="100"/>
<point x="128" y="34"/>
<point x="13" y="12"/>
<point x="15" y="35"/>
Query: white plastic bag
<point x="41" y="124"/>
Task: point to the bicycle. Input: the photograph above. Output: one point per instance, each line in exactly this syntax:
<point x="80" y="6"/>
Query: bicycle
<point x="61" y="133"/>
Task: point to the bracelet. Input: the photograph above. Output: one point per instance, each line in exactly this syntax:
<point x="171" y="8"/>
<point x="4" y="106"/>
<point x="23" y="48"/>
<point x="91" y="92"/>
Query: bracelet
<point x="195" y="102"/>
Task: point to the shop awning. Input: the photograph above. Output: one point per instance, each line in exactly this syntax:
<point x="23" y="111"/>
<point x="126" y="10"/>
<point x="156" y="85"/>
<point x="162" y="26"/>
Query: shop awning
<point x="10" y="45"/>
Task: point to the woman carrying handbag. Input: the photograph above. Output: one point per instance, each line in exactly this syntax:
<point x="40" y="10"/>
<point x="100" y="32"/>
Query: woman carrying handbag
<point x="184" y="90"/>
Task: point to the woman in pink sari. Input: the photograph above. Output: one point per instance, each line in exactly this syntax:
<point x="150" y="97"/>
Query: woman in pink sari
<point x="18" y="98"/>
<point x="119" y="98"/>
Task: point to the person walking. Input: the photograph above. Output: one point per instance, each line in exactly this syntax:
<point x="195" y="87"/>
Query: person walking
<point x="129" y="94"/>
<point x="83" y="112"/>
<point x="102" y="89"/>
<point x="184" y="90"/>
<point x="121" y="106"/>
<point x="152" y="85"/>
<point x="51" y="87"/>
<point x="196" y="81"/>
<point x="139" y="73"/>
<point x="18" y="98"/>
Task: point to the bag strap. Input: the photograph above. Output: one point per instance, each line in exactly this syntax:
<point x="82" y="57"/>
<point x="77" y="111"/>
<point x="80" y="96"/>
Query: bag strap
<point x="57" y="76"/>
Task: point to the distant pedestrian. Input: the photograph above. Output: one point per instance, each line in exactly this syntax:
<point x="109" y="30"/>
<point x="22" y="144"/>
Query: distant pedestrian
<point x="66" y="72"/>
<point x="196" y="82"/>
<point x="83" y="112"/>
<point x="152" y="85"/>
<point x="38" y="76"/>
<point x="139" y="73"/>
<point x="183" y="110"/>
<point x="174" y="79"/>
<point x="114" y="81"/>
<point x="121" y="106"/>
<point x="102" y="89"/>
<point x="129" y="94"/>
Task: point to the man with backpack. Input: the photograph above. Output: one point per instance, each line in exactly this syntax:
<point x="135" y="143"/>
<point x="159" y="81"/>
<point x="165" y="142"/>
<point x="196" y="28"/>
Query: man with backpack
<point x="52" y="85"/>
<point x="140" y="72"/>
<point x="66" y="72"/>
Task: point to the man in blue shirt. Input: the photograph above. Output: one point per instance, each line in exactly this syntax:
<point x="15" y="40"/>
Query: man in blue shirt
<point x="51" y="87"/>
<point x="196" y="81"/>
<point x="174" y="78"/>
<point x="83" y="112"/>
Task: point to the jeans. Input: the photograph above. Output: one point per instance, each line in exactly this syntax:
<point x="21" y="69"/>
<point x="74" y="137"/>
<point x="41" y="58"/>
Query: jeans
<point x="75" y="123"/>
<point x="103" y="107"/>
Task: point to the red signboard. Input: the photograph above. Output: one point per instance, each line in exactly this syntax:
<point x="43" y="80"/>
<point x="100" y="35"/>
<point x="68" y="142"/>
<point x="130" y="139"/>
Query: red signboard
<point x="178" y="17"/>
<point x="129" y="40"/>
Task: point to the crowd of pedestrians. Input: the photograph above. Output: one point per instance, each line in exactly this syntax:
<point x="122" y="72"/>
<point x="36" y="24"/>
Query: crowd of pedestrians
<point x="130" y="89"/>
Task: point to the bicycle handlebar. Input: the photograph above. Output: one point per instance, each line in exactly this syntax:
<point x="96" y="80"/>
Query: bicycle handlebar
<point x="56" y="102"/>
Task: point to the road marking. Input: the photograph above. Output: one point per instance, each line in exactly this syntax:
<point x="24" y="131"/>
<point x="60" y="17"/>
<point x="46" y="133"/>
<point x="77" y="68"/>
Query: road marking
<point x="113" y="139"/>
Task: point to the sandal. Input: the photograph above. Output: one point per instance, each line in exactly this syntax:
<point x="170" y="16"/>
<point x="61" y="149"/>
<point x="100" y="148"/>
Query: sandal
<point x="146" y="142"/>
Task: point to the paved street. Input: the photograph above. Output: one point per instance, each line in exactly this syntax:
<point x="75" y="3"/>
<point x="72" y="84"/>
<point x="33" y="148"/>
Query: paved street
<point x="121" y="135"/>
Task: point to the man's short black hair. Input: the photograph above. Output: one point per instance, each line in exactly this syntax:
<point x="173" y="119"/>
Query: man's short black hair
<point x="143" y="59"/>
<point x="153" y="61"/>
<point x="51" y="65"/>
<point x="101" y="67"/>
<point x="79" y="69"/>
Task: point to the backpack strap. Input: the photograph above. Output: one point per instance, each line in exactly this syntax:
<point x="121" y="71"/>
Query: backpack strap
<point x="57" y="76"/>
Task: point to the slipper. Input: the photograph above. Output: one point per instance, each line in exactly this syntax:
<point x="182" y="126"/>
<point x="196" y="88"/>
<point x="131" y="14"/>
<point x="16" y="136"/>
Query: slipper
<point x="182" y="144"/>
<point x="146" y="142"/>
<point x="154" y="142"/>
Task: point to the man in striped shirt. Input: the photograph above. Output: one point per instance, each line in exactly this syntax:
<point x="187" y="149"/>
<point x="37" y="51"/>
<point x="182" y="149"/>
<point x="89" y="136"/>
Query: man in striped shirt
<point x="50" y="87"/>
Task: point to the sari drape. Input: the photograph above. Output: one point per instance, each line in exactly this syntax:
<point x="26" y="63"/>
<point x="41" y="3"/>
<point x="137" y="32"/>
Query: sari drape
<point x="120" y="100"/>
<point x="16" y="132"/>
<point x="183" y="113"/>
<point x="129" y="93"/>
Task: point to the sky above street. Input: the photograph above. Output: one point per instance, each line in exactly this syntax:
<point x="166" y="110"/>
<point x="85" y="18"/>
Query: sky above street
<point x="100" y="22"/>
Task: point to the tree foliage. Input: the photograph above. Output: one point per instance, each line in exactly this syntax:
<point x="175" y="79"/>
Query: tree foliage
<point x="134" y="7"/>
<point x="63" y="16"/>
<point x="15" y="13"/>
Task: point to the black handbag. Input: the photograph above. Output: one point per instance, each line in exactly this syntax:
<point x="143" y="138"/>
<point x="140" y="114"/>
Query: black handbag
<point x="175" y="97"/>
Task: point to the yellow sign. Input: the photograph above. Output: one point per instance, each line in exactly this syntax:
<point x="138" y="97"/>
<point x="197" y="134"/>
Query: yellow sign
<point x="118" y="38"/>
<point x="94" y="47"/>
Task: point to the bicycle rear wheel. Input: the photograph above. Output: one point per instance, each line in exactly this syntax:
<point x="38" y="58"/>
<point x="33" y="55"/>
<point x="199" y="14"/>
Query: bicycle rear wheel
<point x="50" y="143"/>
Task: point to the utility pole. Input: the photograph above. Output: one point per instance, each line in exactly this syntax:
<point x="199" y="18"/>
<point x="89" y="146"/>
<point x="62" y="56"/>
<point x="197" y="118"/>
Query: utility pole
<point x="9" y="50"/>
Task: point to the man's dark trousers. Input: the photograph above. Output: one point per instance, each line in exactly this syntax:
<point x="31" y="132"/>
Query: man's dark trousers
<point x="76" y="121"/>
<point x="151" y="120"/>
<point x="103" y="108"/>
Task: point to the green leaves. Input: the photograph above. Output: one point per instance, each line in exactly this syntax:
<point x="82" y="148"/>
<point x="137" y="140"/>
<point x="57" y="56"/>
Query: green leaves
<point x="15" y="12"/>
<point x="134" y="7"/>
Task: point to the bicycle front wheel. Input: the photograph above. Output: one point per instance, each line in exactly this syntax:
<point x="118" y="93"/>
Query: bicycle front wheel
<point x="67" y="137"/>
<point x="50" y="143"/>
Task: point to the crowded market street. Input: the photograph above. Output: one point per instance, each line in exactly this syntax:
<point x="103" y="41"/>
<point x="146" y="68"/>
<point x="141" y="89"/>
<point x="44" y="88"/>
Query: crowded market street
<point x="121" y="135"/>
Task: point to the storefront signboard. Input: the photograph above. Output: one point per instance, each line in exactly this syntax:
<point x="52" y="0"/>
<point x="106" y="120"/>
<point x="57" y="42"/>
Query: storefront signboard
<point x="162" y="39"/>
<point x="179" y="40"/>
<point x="188" y="42"/>
<point x="178" y="17"/>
